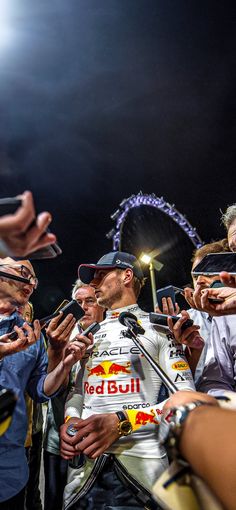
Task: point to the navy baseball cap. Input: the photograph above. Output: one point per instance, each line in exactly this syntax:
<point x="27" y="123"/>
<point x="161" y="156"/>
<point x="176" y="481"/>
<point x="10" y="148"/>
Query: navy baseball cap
<point x="113" y="259"/>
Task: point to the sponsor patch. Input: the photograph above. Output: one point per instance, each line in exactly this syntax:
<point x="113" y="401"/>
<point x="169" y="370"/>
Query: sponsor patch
<point x="180" y="365"/>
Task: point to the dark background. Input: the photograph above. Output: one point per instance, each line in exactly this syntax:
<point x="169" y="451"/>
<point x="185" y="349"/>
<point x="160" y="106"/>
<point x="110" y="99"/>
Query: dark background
<point x="102" y="98"/>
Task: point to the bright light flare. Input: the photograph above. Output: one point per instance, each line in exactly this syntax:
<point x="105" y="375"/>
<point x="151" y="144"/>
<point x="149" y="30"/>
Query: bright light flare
<point x="145" y="258"/>
<point x="6" y="29"/>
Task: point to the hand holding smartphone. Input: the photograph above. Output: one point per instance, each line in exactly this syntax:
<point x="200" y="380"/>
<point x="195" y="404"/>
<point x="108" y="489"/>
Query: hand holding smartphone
<point x="17" y="220"/>
<point x="161" y="320"/>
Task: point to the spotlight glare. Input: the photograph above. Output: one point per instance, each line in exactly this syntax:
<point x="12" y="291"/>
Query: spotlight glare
<point x="146" y="259"/>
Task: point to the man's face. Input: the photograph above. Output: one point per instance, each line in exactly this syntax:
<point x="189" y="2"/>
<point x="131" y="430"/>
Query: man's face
<point x="202" y="281"/>
<point x="17" y="293"/>
<point x="108" y="287"/>
<point x="232" y="236"/>
<point x="85" y="297"/>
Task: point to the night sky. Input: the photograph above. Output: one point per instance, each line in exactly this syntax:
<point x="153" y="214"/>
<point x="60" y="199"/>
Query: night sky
<point x="100" y="99"/>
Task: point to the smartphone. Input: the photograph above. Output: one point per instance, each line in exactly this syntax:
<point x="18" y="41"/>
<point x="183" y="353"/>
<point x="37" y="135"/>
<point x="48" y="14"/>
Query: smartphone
<point x="214" y="263"/>
<point x="93" y="328"/>
<point x="9" y="206"/>
<point x="165" y="292"/>
<point x="215" y="285"/>
<point x="70" y="307"/>
<point x="160" y="319"/>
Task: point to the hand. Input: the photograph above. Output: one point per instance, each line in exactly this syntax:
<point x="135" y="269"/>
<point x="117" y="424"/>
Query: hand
<point x="229" y="280"/>
<point x="8" y="347"/>
<point x="184" y="397"/>
<point x="168" y="308"/>
<point x="189" y="336"/>
<point x="67" y="449"/>
<point x="76" y="349"/>
<point x="23" y="232"/>
<point x="58" y="334"/>
<point x="95" y="435"/>
<point x="193" y="297"/>
<point x="228" y="305"/>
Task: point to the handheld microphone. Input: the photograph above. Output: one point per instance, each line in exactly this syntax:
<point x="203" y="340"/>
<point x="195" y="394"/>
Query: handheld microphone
<point x="130" y="321"/>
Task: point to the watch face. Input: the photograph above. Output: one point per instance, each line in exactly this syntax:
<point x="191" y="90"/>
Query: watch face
<point x="125" y="427"/>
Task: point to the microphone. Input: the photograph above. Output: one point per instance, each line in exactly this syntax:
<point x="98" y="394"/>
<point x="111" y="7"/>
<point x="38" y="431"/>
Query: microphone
<point x="130" y="321"/>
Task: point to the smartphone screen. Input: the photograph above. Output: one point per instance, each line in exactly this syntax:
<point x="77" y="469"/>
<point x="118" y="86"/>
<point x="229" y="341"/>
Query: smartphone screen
<point x="214" y="263"/>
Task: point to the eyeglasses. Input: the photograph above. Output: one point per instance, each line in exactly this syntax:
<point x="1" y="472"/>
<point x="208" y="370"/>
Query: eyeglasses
<point x="24" y="272"/>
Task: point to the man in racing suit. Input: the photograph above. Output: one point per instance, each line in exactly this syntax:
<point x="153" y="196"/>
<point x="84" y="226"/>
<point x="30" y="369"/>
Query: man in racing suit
<point x="114" y="407"/>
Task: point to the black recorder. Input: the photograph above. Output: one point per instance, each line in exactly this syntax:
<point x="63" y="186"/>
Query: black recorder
<point x="160" y="319"/>
<point x="10" y="206"/>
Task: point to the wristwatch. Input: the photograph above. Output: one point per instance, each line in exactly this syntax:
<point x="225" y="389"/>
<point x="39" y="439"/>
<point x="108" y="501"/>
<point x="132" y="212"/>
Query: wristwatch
<point x="124" y="426"/>
<point x="171" y="427"/>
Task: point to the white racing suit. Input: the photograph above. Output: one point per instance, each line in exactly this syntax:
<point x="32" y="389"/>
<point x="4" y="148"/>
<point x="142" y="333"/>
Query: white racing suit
<point x="115" y="376"/>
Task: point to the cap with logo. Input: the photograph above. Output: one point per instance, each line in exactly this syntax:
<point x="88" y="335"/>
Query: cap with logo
<point x="113" y="259"/>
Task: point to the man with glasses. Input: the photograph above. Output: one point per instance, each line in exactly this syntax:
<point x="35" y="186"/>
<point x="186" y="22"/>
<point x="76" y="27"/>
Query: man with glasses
<point x="25" y="369"/>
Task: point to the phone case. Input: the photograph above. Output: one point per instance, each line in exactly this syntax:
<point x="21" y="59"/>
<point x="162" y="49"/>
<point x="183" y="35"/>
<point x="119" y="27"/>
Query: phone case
<point x="165" y="292"/>
<point x="74" y="308"/>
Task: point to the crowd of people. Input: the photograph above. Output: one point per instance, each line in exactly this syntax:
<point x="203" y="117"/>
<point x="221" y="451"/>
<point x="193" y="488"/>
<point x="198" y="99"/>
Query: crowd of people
<point x="110" y="430"/>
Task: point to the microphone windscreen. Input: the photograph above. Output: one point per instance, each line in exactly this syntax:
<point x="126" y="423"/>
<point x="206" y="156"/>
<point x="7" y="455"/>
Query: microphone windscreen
<point x="126" y="315"/>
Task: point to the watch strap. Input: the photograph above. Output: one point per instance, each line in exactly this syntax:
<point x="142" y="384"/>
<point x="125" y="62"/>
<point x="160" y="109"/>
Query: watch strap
<point x="121" y="416"/>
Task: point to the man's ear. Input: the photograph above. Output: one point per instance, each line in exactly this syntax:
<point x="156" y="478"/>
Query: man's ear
<point x="128" y="276"/>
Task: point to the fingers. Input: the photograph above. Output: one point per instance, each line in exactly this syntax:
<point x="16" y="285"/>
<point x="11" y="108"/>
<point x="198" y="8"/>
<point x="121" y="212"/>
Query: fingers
<point x="56" y="324"/>
<point x="184" y="397"/>
<point x="177" y="309"/>
<point x="77" y="349"/>
<point x="227" y="279"/>
<point x="67" y="450"/>
<point x="167" y="306"/>
<point x="206" y="305"/>
<point x="4" y="339"/>
<point x="18" y="222"/>
<point x="36" y="237"/>
<point x="33" y="334"/>
<point x="188" y="294"/>
<point x="86" y="340"/>
<point x="67" y="443"/>
<point x="189" y="336"/>
<point x="58" y="335"/>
